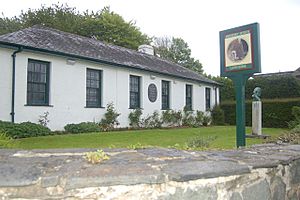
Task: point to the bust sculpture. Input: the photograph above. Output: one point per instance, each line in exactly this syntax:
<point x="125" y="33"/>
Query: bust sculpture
<point x="256" y="94"/>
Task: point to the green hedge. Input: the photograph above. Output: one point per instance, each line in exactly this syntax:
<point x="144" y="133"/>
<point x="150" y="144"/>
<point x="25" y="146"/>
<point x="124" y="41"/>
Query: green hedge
<point x="276" y="112"/>
<point x="23" y="130"/>
<point x="83" y="127"/>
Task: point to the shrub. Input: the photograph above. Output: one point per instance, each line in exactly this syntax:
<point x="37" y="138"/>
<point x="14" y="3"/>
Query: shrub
<point x="43" y="120"/>
<point x="96" y="156"/>
<point x="206" y="120"/>
<point x="199" y="118"/>
<point x="135" y="118"/>
<point x="83" y="127"/>
<point x="5" y="141"/>
<point x="296" y="114"/>
<point x="172" y="118"/>
<point x="152" y="121"/>
<point x="23" y="130"/>
<point x="188" y="118"/>
<point x="292" y="137"/>
<point x="217" y="115"/>
<point x="110" y="118"/>
<point x="200" y="142"/>
<point x="276" y="113"/>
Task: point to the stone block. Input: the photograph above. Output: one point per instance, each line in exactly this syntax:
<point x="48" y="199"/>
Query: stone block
<point x="278" y="188"/>
<point x="257" y="191"/>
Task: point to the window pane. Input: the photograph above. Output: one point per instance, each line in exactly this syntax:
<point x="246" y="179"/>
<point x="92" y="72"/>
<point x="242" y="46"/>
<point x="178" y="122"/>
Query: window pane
<point x="165" y="95"/>
<point x="207" y="98"/>
<point x="37" y="83"/>
<point x="134" y="90"/>
<point x="188" y="97"/>
<point x="93" y="88"/>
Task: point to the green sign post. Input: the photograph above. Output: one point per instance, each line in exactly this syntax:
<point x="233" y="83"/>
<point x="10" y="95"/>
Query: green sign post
<point x="240" y="59"/>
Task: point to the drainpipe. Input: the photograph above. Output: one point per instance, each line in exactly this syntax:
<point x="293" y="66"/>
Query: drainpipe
<point x="14" y="84"/>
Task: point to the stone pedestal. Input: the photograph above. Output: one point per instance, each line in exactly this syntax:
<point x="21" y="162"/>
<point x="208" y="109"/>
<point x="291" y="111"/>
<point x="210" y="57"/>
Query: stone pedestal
<point x="256" y="118"/>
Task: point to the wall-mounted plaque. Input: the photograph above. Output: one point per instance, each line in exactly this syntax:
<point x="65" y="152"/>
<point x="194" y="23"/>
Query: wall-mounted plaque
<point x="152" y="92"/>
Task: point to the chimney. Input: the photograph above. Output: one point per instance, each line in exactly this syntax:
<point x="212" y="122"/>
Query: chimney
<point x="147" y="49"/>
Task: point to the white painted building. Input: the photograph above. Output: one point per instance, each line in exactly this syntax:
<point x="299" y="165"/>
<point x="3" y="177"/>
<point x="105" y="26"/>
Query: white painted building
<point x="74" y="78"/>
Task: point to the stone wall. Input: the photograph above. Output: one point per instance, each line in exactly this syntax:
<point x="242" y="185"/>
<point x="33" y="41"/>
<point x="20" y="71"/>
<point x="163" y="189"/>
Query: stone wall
<point x="262" y="172"/>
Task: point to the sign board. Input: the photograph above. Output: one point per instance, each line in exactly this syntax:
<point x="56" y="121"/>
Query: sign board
<point x="240" y="59"/>
<point x="240" y="50"/>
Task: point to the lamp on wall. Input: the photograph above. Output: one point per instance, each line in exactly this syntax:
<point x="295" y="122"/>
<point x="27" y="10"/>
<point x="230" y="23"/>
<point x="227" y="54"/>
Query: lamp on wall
<point x="71" y="61"/>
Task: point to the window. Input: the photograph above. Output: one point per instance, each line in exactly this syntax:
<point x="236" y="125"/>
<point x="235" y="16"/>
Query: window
<point x="93" y="88"/>
<point x="38" y="83"/>
<point x="134" y="93"/>
<point x="207" y="99"/>
<point x="165" y="95"/>
<point x="188" y="97"/>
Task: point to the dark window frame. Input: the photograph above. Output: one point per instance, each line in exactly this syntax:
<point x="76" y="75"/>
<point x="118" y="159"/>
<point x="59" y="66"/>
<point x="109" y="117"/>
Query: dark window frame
<point x="165" y="95"/>
<point x="207" y="99"/>
<point x="134" y="92"/>
<point x="189" y="96"/>
<point x="97" y="89"/>
<point x="34" y="85"/>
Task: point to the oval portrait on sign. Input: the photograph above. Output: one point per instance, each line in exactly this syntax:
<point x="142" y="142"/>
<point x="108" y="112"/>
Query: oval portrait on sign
<point x="237" y="50"/>
<point x="152" y="92"/>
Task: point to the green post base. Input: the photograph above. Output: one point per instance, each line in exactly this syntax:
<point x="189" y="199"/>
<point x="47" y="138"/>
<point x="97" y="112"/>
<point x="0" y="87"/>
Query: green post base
<point x="239" y="83"/>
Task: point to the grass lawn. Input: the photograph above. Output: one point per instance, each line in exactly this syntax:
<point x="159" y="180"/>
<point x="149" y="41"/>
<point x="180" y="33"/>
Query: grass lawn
<point x="155" y="137"/>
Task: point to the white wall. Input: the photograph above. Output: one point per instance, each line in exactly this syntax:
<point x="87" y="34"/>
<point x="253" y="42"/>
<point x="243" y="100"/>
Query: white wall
<point x="67" y="91"/>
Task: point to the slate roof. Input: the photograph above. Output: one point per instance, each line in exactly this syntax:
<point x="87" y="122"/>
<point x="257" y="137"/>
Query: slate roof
<point x="50" y="40"/>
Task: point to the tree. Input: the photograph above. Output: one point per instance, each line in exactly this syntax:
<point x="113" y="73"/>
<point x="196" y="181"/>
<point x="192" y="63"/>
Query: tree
<point x="8" y="25"/>
<point x="227" y="89"/>
<point x="103" y="25"/>
<point x="178" y="51"/>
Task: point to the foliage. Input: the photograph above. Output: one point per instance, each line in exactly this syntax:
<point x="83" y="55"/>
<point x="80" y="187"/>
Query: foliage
<point x="96" y="156"/>
<point x="110" y="118"/>
<point x="199" y="118"/>
<point x="292" y="137"/>
<point x="8" y="25"/>
<point x="276" y="112"/>
<point x="25" y="129"/>
<point x="188" y="118"/>
<point x="217" y="115"/>
<point x="200" y="142"/>
<point x="135" y="118"/>
<point x="135" y="146"/>
<point x="296" y="113"/>
<point x="206" y="120"/>
<point x="226" y="89"/>
<point x="152" y="121"/>
<point x="177" y="51"/>
<point x="83" y="127"/>
<point x="286" y="87"/>
<point x="43" y="120"/>
<point x="5" y="141"/>
<point x="172" y="118"/>
<point x="103" y="25"/>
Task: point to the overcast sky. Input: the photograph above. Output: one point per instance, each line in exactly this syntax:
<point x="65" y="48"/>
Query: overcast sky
<point x="198" y="22"/>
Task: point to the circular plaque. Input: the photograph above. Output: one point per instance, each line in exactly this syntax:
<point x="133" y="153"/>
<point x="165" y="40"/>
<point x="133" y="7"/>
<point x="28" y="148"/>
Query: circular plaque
<point x="152" y="92"/>
<point x="237" y="50"/>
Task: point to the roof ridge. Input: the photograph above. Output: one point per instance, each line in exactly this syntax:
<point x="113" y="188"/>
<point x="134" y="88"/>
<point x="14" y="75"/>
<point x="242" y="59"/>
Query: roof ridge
<point x="37" y="36"/>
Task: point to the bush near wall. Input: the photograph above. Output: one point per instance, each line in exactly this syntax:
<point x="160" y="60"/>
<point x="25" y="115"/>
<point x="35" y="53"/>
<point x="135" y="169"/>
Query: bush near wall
<point x="276" y="112"/>
<point x="83" y="127"/>
<point x="23" y="130"/>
